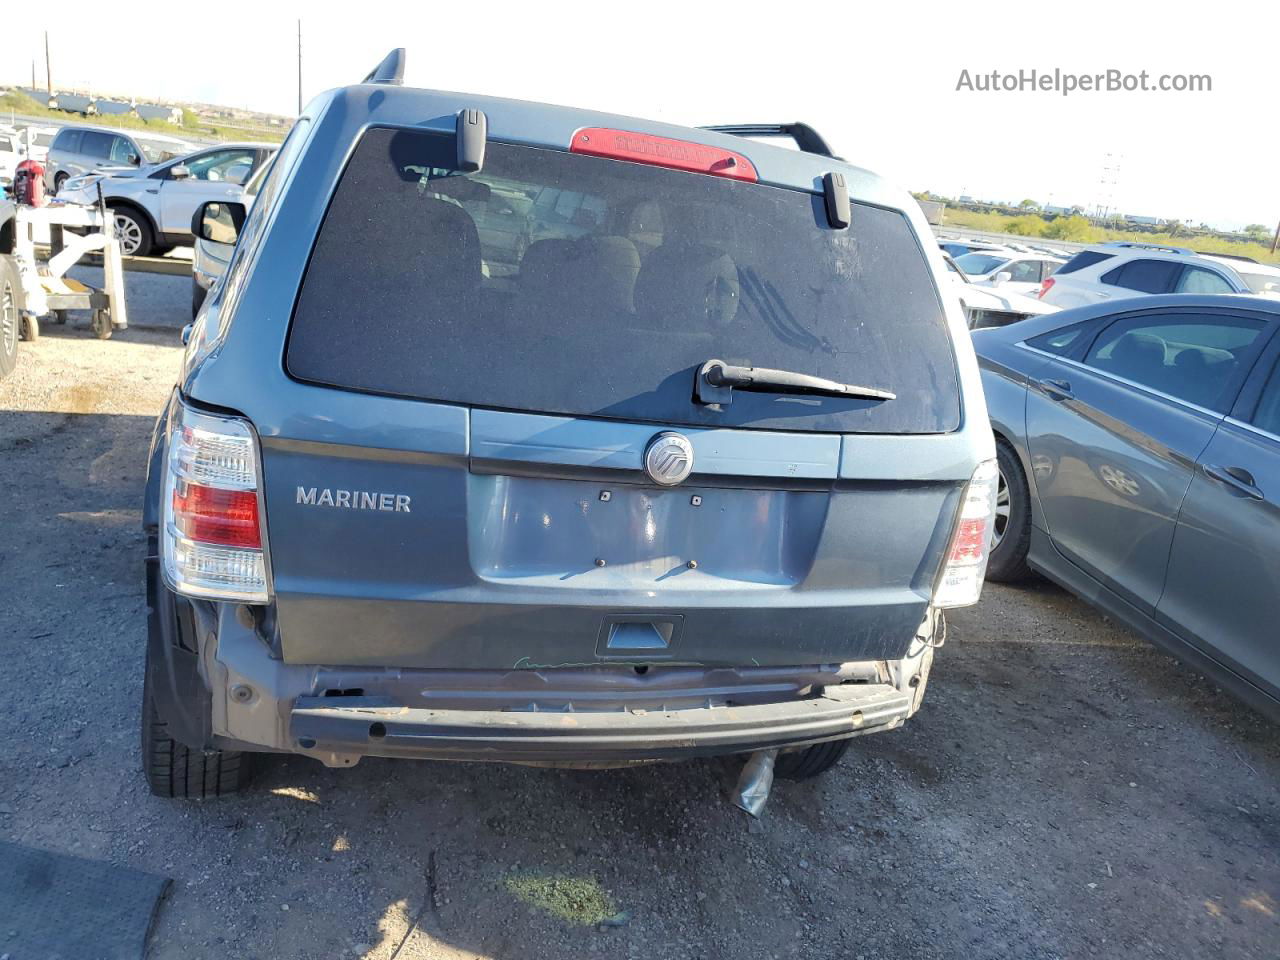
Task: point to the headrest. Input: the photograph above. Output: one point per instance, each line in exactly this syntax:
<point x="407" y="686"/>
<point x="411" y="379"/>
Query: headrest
<point x="687" y="286"/>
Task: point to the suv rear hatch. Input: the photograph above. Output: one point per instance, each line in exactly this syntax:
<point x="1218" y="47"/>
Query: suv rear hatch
<point x="547" y="317"/>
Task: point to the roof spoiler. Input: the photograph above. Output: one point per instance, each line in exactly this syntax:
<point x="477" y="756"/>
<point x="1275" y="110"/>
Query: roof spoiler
<point x="834" y="188"/>
<point x="806" y="138"/>
<point x="390" y="70"/>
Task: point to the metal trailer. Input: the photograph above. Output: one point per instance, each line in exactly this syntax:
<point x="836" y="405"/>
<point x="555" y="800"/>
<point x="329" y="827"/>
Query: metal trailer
<point x="42" y="288"/>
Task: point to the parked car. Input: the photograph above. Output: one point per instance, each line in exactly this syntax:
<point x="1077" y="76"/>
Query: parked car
<point x="958" y="248"/>
<point x="153" y="205"/>
<point x="36" y="141"/>
<point x="79" y="149"/>
<point x="991" y="307"/>
<point x="209" y="258"/>
<point x="390" y="513"/>
<point x="1139" y="451"/>
<point x="1018" y="272"/>
<point x="12" y="152"/>
<point x="1115" y="271"/>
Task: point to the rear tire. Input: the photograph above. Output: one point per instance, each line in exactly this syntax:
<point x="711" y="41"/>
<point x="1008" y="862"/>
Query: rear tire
<point x="810" y="761"/>
<point x="1008" y="560"/>
<point x="58" y="181"/>
<point x="175" y="770"/>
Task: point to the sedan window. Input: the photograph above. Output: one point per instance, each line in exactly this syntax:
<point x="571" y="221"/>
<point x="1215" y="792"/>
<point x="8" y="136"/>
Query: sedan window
<point x="1193" y="358"/>
<point x="1025" y="271"/>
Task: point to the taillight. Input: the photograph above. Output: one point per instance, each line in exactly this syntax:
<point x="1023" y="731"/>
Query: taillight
<point x="960" y="583"/>
<point x="212" y="540"/>
<point x="1045" y="287"/>
<point x="662" y="152"/>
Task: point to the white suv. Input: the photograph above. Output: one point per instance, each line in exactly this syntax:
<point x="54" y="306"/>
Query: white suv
<point x="1113" y="271"/>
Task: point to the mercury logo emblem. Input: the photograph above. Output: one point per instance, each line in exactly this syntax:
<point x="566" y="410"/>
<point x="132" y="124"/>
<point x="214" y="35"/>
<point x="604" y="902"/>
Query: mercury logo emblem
<point x="668" y="459"/>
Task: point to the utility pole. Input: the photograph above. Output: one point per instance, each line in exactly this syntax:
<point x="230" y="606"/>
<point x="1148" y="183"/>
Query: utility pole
<point x="1276" y="239"/>
<point x="33" y="73"/>
<point x="299" y="66"/>
<point x="48" y="68"/>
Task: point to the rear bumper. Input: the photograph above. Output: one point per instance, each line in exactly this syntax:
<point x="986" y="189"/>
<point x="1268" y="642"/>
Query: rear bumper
<point x="368" y="726"/>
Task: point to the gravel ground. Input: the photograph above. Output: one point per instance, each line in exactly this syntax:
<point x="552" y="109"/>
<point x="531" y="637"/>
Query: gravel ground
<point x="1067" y="791"/>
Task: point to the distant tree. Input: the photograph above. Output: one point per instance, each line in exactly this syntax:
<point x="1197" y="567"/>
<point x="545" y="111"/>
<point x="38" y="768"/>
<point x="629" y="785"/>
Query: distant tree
<point x="1258" y="233"/>
<point x="1173" y="226"/>
<point x="1027" y="226"/>
<point x="189" y="119"/>
<point x="1077" y="211"/>
<point x="1074" y="228"/>
<point x="1029" y="205"/>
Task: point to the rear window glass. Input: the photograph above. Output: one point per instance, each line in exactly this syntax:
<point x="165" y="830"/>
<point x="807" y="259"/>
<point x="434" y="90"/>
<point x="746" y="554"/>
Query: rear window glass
<point x="975" y="264"/>
<point x="575" y="285"/>
<point x="1085" y="258"/>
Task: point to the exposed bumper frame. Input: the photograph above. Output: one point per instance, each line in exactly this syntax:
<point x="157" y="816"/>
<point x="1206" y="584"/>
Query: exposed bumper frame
<point x="371" y="726"/>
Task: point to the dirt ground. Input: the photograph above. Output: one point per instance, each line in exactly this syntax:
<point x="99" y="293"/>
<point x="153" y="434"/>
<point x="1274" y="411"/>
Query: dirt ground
<point x="1067" y="791"/>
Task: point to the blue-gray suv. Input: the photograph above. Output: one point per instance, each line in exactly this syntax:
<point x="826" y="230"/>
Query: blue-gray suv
<point x="523" y="433"/>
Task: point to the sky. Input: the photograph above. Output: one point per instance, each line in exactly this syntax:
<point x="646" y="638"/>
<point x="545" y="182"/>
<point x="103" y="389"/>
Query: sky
<point x="879" y="81"/>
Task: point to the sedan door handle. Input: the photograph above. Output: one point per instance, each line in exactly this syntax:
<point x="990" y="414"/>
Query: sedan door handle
<point x="1057" y="389"/>
<point x="1237" y="478"/>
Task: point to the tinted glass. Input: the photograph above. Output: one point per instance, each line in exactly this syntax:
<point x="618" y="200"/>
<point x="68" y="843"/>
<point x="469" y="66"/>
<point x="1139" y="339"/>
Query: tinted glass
<point x="68" y="140"/>
<point x="575" y="285"/>
<point x="1085" y="258"/>
<point x="975" y="264"/>
<point x="1197" y="280"/>
<point x="1267" y="416"/>
<point x="1025" y="271"/>
<point x="122" y="151"/>
<point x="222" y="166"/>
<point x="1145" y="276"/>
<point x="1188" y="357"/>
<point x="96" y="144"/>
<point x="1059" y="341"/>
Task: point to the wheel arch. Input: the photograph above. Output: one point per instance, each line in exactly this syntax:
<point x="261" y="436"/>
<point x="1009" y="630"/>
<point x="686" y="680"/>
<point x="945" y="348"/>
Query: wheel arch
<point x="135" y="207"/>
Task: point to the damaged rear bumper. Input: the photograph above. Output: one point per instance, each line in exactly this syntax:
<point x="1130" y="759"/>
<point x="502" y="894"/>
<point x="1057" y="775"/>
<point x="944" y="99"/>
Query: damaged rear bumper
<point x="368" y="726"/>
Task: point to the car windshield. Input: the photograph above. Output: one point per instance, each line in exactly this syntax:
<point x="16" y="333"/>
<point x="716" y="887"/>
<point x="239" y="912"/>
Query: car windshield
<point x="1268" y="283"/>
<point x="563" y="284"/>
<point x="158" y="151"/>
<point x="42" y="139"/>
<point x="976" y="264"/>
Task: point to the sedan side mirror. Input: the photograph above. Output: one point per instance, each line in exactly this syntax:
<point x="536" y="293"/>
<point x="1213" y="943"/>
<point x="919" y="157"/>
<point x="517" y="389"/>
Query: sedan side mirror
<point x="1004" y="276"/>
<point x="134" y="159"/>
<point x="218" y="221"/>
<point x="179" y="171"/>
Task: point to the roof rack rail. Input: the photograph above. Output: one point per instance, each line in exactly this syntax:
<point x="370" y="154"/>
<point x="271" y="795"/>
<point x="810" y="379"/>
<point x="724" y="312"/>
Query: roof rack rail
<point x="390" y="70"/>
<point x="1227" y="256"/>
<point x="1166" y="248"/>
<point x="806" y="138"/>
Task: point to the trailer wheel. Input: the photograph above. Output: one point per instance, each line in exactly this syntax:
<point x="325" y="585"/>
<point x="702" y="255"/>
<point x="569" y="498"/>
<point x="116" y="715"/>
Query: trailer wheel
<point x="8" y="326"/>
<point x="101" y="324"/>
<point x="30" y="328"/>
<point x="59" y="316"/>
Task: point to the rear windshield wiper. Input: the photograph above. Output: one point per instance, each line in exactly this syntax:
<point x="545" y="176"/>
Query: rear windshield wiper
<point x="717" y="380"/>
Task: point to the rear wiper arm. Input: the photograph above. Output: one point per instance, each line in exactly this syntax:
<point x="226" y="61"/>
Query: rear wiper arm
<point x="717" y="380"/>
